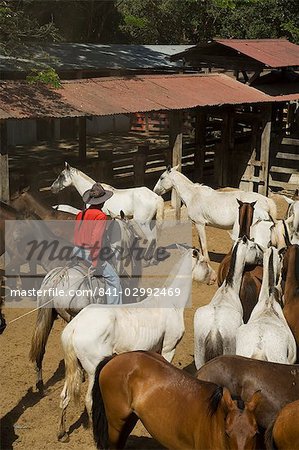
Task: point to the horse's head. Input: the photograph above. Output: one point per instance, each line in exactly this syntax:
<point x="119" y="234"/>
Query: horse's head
<point x="165" y="183"/>
<point x="241" y="428"/>
<point x="253" y="251"/>
<point x="201" y="271"/>
<point x="246" y="211"/>
<point x="63" y="180"/>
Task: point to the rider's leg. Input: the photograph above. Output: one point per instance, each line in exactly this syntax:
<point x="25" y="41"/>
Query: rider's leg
<point x="112" y="282"/>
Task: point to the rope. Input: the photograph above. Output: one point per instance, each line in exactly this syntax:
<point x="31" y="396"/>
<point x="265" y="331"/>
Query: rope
<point x="49" y="301"/>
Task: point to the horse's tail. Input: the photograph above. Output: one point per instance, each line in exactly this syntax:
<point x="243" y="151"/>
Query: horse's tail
<point x="73" y="372"/>
<point x="99" y="418"/>
<point x="44" y="322"/>
<point x="269" y="440"/>
<point x="213" y="345"/>
<point x="160" y="209"/>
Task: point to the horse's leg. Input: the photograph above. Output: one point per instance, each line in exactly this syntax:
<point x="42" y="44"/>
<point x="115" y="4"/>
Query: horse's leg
<point x="64" y="401"/>
<point x="119" y="434"/>
<point x="202" y="237"/>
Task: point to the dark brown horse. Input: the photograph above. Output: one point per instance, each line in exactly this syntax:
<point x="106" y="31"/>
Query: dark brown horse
<point x="27" y="202"/>
<point x="284" y="433"/>
<point x="253" y="275"/>
<point x="290" y="278"/>
<point x="176" y="409"/>
<point x="278" y="383"/>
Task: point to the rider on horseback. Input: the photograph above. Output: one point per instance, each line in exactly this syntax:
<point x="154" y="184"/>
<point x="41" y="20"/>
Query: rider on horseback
<point x="88" y="236"/>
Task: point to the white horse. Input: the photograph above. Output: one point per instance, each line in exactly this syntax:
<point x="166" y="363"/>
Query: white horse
<point x="66" y="208"/>
<point x="216" y="324"/>
<point x="293" y="212"/>
<point x="154" y="324"/>
<point x="139" y="203"/>
<point x="206" y="206"/>
<point x="266" y="335"/>
<point x="267" y="232"/>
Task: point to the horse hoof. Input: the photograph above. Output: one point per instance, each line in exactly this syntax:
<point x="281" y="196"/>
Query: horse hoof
<point x="63" y="437"/>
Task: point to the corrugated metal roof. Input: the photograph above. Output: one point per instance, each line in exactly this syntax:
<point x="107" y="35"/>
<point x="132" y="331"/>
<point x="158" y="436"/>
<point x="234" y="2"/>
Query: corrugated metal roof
<point x="107" y="96"/>
<point x="271" y="52"/>
<point x="73" y="56"/>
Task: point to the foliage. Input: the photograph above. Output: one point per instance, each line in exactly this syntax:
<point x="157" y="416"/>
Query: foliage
<point x="47" y="76"/>
<point x="18" y="29"/>
<point x="191" y="21"/>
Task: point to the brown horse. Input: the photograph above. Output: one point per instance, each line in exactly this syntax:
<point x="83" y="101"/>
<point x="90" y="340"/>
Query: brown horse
<point x="290" y="277"/>
<point x="176" y="409"/>
<point x="26" y="201"/>
<point x="284" y="433"/>
<point x="278" y="383"/>
<point x="253" y="275"/>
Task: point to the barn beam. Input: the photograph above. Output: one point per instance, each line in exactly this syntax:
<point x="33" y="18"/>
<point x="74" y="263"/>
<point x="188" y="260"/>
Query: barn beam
<point x="4" y="168"/>
<point x="265" y="149"/>
<point x="176" y="144"/>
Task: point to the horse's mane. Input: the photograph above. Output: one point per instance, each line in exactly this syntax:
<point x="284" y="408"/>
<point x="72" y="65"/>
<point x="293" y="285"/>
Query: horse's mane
<point x="271" y="277"/>
<point x="229" y="278"/>
<point x="214" y="400"/>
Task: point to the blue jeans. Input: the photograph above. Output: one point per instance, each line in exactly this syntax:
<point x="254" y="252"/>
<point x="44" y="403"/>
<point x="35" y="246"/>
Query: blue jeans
<point x="113" y="289"/>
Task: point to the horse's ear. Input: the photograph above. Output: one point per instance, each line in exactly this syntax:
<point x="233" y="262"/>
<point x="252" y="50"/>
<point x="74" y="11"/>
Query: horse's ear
<point x="168" y="169"/>
<point x="122" y="214"/>
<point x="289" y="219"/>
<point x="67" y="166"/>
<point x="240" y="202"/>
<point x="25" y="189"/>
<point x="254" y="401"/>
<point x="227" y="401"/>
<point x="252" y="204"/>
<point x="296" y="195"/>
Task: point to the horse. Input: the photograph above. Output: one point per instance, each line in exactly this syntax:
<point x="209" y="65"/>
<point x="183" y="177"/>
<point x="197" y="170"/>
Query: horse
<point x="25" y="201"/>
<point x="206" y="206"/>
<point x="139" y="203"/>
<point x="176" y="409"/>
<point x="216" y="324"/>
<point x="252" y="275"/>
<point x="155" y="323"/>
<point x="283" y="433"/>
<point x="267" y="335"/>
<point x="290" y="277"/>
<point x="74" y="277"/>
<point x="66" y="208"/>
<point x="293" y="216"/>
<point x="278" y="383"/>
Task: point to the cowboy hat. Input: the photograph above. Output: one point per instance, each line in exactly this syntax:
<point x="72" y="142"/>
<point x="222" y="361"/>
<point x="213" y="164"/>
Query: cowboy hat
<point x="96" y="195"/>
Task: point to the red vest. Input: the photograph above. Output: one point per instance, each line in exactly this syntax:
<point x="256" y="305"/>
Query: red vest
<point x="89" y="232"/>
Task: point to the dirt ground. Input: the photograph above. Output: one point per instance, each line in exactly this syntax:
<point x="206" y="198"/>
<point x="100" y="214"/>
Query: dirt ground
<point x="31" y="422"/>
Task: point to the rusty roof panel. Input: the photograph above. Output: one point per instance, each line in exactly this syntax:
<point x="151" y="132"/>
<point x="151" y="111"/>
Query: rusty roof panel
<point x="107" y="96"/>
<point x="271" y="52"/>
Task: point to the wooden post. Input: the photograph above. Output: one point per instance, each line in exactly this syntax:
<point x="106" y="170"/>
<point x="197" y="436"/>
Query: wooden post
<point x="200" y="143"/>
<point x="176" y="143"/>
<point x="265" y="149"/>
<point x="82" y="138"/>
<point x="105" y="174"/>
<point x="227" y="141"/>
<point x="140" y="164"/>
<point x="4" y="169"/>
